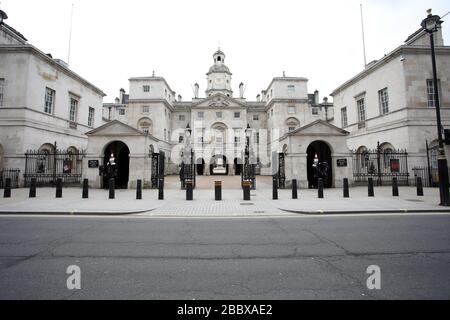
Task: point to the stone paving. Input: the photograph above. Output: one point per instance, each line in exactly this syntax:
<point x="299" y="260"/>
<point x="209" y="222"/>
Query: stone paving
<point x="261" y="203"/>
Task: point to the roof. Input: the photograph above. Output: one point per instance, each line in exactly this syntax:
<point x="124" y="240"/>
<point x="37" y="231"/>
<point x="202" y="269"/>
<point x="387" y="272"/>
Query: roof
<point x="219" y="67"/>
<point x="17" y="33"/>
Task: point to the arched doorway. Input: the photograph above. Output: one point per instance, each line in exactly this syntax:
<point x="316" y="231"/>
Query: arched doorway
<point x="200" y="163"/>
<point x="218" y="166"/>
<point x="238" y="166"/>
<point x="323" y="152"/>
<point x="121" y="154"/>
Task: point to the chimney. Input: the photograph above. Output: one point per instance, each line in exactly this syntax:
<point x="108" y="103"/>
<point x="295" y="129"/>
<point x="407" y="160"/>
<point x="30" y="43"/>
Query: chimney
<point x="241" y="90"/>
<point x="316" y="97"/>
<point x="180" y="98"/>
<point x="196" y="90"/>
<point x="325" y="100"/>
<point x="258" y="98"/>
<point x="122" y="92"/>
<point x="117" y="100"/>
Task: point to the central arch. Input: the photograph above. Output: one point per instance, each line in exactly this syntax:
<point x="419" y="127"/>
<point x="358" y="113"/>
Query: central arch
<point x="121" y="153"/>
<point x="200" y="164"/>
<point x="218" y="165"/>
<point x="324" y="155"/>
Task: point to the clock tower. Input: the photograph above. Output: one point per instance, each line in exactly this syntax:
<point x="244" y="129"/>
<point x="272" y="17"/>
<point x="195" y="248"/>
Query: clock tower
<point x="219" y="76"/>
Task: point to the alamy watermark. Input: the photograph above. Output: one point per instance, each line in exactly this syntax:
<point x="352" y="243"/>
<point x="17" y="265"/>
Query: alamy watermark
<point x="74" y="280"/>
<point x="374" y="280"/>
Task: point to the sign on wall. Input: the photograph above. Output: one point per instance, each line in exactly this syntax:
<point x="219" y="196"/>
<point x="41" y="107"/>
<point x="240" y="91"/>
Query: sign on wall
<point x="93" y="164"/>
<point x="341" y="163"/>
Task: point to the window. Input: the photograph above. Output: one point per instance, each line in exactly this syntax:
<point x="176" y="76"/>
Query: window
<point x="49" y="100"/>
<point x="383" y="99"/>
<point x="73" y="110"/>
<point x="344" y="119"/>
<point x="292" y="109"/>
<point x="237" y="115"/>
<point x="121" y="112"/>
<point x="257" y="137"/>
<point x="145" y="109"/>
<point x="237" y="140"/>
<point x="430" y="92"/>
<point x="200" y="114"/>
<point x="180" y="138"/>
<point x="315" y="111"/>
<point x="291" y="89"/>
<point x="361" y="111"/>
<point x="146" y="88"/>
<point x="181" y="117"/>
<point x="219" y="115"/>
<point x="271" y="112"/>
<point x="291" y="129"/>
<point x="2" y="86"/>
<point x="256" y="117"/>
<point x="91" y="117"/>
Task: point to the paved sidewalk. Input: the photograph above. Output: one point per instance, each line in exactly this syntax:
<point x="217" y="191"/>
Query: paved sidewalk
<point x="261" y="203"/>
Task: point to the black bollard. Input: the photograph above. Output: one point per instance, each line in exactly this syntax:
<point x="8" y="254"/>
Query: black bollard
<point x="370" y="188"/>
<point x="247" y="186"/>
<point x="346" y="189"/>
<point x="419" y="184"/>
<point x="85" y="189"/>
<point x="7" y="191"/>
<point x="320" y="190"/>
<point x="189" y="191"/>
<point x="59" y="188"/>
<point x="218" y="190"/>
<point x="139" y="190"/>
<point x="395" y="192"/>
<point x="112" y="189"/>
<point x="161" y="189"/>
<point x="294" y="189"/>
<point x="274" y="188"/>
<point x="32" y="193"/>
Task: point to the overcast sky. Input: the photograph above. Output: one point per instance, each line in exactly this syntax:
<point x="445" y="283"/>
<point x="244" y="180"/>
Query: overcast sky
<point x="321" y="40"/>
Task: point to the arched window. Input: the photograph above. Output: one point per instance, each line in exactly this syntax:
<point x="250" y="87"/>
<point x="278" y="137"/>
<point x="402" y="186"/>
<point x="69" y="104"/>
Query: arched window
<point x="145" y="125"/>
<point x="292" y="124"/>
<point x="45" y="160"/>
<point x="434" y="151"/>
<point x="387" y="151"/>
<point x="363" y="157"/>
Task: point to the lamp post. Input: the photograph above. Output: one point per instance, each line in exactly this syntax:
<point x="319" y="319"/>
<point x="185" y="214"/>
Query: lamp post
<point x="3" y="16"/>
<point x="431" y="25"/>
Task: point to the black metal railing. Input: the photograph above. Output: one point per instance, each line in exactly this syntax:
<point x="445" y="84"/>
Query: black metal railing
<point x="381" y="166"/>
<point x="12" y="174"/>
<point x="430" y="176"/>
<point x="48" y="166"/>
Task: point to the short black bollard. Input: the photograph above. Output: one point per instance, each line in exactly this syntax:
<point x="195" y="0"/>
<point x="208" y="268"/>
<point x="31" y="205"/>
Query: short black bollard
<point x="189" y="190"/>
<point x="112" y="189"/>
<point x="247" y="186"/>
<point x="294" y="189"/>
<point x="85" y="189"/>
<point x="274" y="188"/>
<point x="161" y="189"/>
<point x="370" y="190"/>
<point x="419" y="184"/>
<point x="139" y="190"/>
<point x="320" y="190"/>
<point x="7" y="191"/>
<point x="32" y="193"/>
<point x="59" y="188"/>
<point x="395" y="192"/>
<point x="346" y="189"/>
<point x="218" y="190"/>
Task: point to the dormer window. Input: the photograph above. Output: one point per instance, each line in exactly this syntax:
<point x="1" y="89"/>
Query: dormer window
<point x="219" y="59"/>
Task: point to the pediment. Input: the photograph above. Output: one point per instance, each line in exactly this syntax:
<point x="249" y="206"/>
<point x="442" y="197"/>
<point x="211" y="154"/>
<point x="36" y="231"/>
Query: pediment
<point x="319" y="127"/>
<point x="219" y="101"/>
<point x="115" y="128"/>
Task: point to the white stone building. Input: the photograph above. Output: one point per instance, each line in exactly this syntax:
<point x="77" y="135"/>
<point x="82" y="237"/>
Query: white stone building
<point x="281" y="114"/>
<point x="42" y="102"/>
<point x="392" y="101"/>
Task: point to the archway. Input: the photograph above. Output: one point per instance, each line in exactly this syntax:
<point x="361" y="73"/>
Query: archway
<point x="218" y="165"/>
<point x="200" y="163"/>
<point x="121" y="154"/>
<point x="324" y="154"/>
<point x="238" y="166"/>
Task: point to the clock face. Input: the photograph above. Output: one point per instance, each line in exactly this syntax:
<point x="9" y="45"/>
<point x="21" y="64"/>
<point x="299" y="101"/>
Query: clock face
<point x="218" y="81"/>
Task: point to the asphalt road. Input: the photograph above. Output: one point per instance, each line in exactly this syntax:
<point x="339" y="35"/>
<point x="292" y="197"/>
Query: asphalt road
<point x="267" y="258"/>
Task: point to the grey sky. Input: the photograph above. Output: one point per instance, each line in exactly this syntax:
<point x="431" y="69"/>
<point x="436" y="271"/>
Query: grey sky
<point x="114" y="40"/>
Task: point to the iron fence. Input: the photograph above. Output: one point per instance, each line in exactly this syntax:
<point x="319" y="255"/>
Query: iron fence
<point x="430" y="176"/>
<point x="381" y="165"/>
<point x="13" y="174"/>
<point x="48" y="166"/>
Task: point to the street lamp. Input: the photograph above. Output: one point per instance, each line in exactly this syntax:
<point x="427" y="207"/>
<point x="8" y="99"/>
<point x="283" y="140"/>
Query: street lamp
<point x="431" y="25"/>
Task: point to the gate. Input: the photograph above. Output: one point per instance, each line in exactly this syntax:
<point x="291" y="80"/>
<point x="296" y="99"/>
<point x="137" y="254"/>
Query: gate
<point x="381" y="165"/>
<point x="48" y="166"/>
<point x="158" y="163"/>
<point x="281" y="171"/>
<point x="188" y="169"/>
<point x="12" y="174"/>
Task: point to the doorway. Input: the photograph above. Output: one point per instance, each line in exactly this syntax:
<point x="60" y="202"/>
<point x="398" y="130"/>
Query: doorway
<point x="200" y="163"/>
<point x="121" y="153"/>
<point x="238" y="166"/>
<point x="325" y="165"/>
